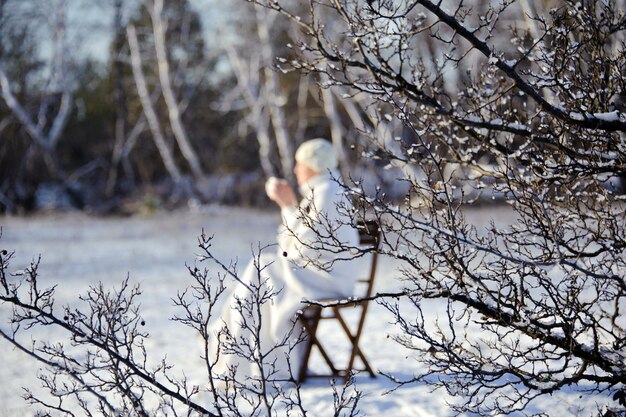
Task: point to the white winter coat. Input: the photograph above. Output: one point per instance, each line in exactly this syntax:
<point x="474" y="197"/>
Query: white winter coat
<point x="305" y="266"/>
<point x="310" y="235"/>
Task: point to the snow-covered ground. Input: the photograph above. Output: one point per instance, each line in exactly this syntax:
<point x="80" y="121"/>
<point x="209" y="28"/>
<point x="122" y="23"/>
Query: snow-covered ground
<point x="78" y="251"/>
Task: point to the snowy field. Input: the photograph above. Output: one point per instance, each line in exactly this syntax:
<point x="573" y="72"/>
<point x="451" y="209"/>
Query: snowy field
<point x="78" y="251"/>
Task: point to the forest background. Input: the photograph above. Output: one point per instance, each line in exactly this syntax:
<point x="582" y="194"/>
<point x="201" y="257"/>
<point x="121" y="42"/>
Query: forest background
<point x="192" y="111"/>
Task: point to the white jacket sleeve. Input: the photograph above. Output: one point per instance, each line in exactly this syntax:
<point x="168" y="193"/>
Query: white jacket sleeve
<point x="311" y="231"/>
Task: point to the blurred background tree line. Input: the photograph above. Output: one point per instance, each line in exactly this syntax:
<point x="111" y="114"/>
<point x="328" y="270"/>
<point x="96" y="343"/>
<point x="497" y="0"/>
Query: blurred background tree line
<point x="112" y="105"/>
<point x="167" y="111"/>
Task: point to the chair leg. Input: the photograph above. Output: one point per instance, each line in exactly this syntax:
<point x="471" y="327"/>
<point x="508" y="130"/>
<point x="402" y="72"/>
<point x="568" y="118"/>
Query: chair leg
<point x="315" y="341"/>
<point x="357" y="351"/>
<point x="310" y="324"/>
<point x="354" y="340"/>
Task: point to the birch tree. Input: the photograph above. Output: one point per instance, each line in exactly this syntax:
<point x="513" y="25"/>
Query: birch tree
<point x="247" y="72"/>
<point x="44" y="129"/>
<point x="522" y="109"/>
<point x="165" y="33"/>
<point x="155" y="8"/>
<point x="263" y="97"/>
<point x="336" y="128"/>
<point x="275" y="99"/>
<point x="148" y="108"/>
<point x="260" y="89"/>
<point x="119" y="40"/>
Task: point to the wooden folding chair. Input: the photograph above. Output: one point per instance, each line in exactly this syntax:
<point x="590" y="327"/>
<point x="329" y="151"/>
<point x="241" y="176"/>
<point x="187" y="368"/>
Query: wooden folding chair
<point x="312" y="316"/>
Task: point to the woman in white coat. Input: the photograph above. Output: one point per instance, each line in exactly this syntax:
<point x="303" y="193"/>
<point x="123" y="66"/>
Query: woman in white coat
<point x="305" y="266"/>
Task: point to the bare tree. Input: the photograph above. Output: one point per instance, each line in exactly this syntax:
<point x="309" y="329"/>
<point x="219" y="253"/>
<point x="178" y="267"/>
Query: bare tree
<point x="247" y="73"/>
<point x="499" y="105"/>
<point x="121" y="119"/>
<point x="163" y="41"/>
<point x="148" y="108"/>
<point x="55" y="106"/>
<point x="336" y="128"/>
<point x="265" y="98"/>
<point x="99" y="365"/>
<point x="275" y="99"/>
<point x="533" y="117"/>
<point x="45" y="139"/>
<point x="174" y="110"/>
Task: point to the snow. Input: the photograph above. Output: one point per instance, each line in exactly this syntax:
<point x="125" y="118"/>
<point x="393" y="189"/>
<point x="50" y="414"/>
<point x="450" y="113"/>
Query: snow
<point x="496" y="123"/>
<point x="613" y="116"/>
<point x="78" y="251"/>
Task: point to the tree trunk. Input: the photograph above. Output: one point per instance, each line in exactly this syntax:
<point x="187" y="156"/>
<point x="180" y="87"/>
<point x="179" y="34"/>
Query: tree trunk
<point x="265" y="142"/>
<point x="46" y="141"/>
<point x="148" y="108"/>
<point x="336" y="129"/>
<point x="158" y="28"/>
<point x="273" y="97"/>
<point x="303" y="121"/>
<point x="258" y="117"/>
<point x="120" y="100"/>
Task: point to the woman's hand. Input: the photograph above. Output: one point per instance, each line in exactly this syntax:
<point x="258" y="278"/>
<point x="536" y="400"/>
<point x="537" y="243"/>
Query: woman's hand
<point x="281" y="193"/>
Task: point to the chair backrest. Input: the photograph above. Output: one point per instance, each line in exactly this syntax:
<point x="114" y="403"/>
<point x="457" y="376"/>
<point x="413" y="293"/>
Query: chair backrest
<point x="369" y="232"/>
<point x="369" y="236"/>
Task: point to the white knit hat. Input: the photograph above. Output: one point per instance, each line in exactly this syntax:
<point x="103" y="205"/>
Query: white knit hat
<point x="318" y="154"/>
